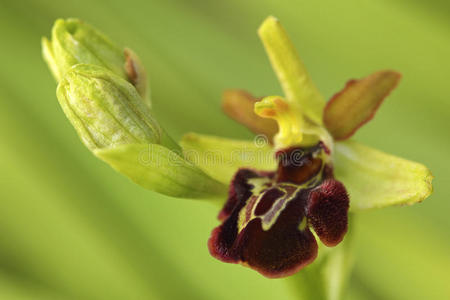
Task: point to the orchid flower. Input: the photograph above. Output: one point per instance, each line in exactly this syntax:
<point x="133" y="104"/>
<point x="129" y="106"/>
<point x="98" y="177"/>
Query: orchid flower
<point x="317" y="173"/>
<point x="297" y="182"/>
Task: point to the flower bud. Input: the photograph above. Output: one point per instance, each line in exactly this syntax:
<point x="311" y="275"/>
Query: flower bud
<point x="74" y="42"/>
<point x="106" y="110"/>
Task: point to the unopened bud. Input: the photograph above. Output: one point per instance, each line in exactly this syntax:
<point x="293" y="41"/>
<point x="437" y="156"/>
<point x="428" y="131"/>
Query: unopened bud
<point x="75" y="42"/>
<point x="106" y="110"/>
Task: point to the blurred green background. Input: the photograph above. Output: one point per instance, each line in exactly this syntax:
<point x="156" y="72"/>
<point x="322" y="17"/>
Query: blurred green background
<point x="72" y="228"/>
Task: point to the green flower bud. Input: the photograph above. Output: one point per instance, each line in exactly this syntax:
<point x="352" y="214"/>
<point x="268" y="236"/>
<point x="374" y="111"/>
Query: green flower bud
<point x="106" y="110"/>
<point x="74" y="42"/>
<point x="115" y="124"/>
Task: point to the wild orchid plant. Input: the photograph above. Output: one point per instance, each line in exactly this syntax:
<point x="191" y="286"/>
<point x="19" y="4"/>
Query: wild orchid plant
<point x="302" y="183"/>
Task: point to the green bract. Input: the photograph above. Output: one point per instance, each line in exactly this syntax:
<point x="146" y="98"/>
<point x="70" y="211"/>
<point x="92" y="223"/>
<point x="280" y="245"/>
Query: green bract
<point x="164" y="171"/>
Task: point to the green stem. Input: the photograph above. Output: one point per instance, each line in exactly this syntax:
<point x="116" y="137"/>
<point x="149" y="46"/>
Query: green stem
<point x="326" y="278"/>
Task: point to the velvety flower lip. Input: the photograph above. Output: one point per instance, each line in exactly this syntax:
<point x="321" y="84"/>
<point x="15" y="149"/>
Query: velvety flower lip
<point x="268" y="217"/>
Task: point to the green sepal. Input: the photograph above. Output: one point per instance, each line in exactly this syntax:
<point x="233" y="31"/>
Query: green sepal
<point x="159" y="169"/>
<point x="220" y="158"/>
<point x="375" y="179"/>
<point x="294" y="79"/>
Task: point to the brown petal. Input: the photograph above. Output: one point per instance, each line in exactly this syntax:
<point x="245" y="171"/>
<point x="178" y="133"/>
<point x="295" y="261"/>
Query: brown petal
<point x="238" y="105"/>
<point x="357" y="103"/>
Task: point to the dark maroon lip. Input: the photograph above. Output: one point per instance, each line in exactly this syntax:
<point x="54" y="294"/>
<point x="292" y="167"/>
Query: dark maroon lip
<point x="270" y="231"/>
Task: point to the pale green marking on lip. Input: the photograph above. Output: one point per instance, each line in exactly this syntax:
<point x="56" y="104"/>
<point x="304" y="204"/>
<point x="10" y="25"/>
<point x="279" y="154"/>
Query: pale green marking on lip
<point x="259" y="184"/>
<point x="303" y="224"/>
<point x="266" y="221"/>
